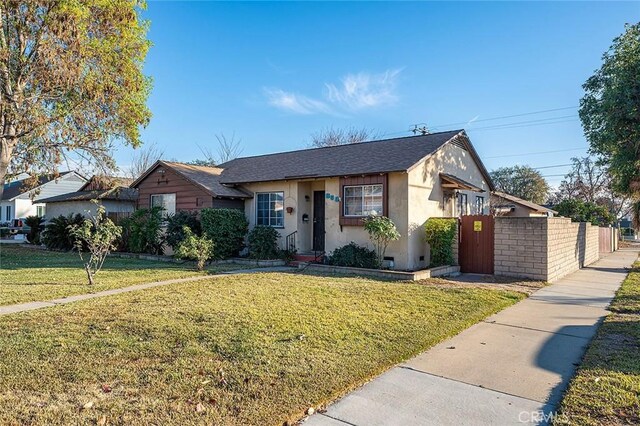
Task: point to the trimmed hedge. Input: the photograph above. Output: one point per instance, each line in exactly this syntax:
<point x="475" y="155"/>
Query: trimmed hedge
<point x="263" y="243"/>
<point x="354" y="256"/>
<point x="175" y="233"/>
<point x="440" y="234"/>
<point x="226" y="228"/>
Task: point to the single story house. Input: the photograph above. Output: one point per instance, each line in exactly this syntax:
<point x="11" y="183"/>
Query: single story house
<point x="321" y="195"/>
<point x="19" y="202"/>
<point x="111" y="192"/>
<point x="503" y="204"/>
<point x="178" y="186"/>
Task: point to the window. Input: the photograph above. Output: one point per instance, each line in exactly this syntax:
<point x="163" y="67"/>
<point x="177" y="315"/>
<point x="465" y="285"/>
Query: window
<point x="462" y="204"/>
<point x="270" y="209"/>
<point x="40" y="211"/>
<point x="479" y="204"/>
<point x="363" y="200"/>
<point x="166" y="201"/>
<point x="8" y="213"/>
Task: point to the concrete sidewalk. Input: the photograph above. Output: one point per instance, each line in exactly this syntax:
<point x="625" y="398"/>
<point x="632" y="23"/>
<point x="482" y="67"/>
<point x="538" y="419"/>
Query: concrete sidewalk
<point x="511" y="368"/>
<point x="30" y="306"/>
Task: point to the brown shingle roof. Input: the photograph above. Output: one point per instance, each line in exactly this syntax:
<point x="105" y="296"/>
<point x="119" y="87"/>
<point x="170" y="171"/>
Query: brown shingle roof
<point x="208" y="178"/>
<point x="528" y="204"/>
<point x="389" y="155"/>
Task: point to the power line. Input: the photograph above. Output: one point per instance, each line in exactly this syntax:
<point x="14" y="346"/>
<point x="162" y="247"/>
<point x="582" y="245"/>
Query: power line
<point x="549" y="120"/>
<point x="539" y="152"/>
<point x="502" y="117"/>
<point x="552" y="167"/>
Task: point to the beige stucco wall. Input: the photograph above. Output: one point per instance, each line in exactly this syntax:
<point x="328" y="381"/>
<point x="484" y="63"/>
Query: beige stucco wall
<point x="426" y="196"/>
<point x="290" y="189"/>
<point x="543" y="248"/>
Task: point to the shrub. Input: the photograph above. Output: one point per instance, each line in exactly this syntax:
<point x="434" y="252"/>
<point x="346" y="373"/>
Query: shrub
<point x="194" y="247"/>
<point x="175" y="227"/>
<point x="381" y="231"/>
<point x="354" y="256"/>
<point x="226" y="228"/>
<point x="36" y="223"/>
<point x="98" y="234"/>
<point x="581" y="211"/>
<point x="56" y="234"/>
<point x="144" y="228"/>
<point x="263" y="243"/>
<point x="440" y="234"/>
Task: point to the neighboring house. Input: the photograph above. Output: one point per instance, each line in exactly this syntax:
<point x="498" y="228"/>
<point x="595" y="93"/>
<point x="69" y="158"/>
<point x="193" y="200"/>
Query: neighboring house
<point x="321" y="195"/>
<point x="111" y="192"/>
<point x="503" y="204"/>
<point x="179" y="186"/>
<point x="18" y="202"/>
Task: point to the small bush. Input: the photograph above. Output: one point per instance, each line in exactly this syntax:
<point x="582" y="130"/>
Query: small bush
<point x="440" y="234"/>
<point x="175" y="227"/>
<point x="354" y="256"/>
<point x="98" y="235"/>
<point x="56" y="234"/>
<point x="381" y="232"/>
<point x="36" y="223"/>
<point x="194" y="247"/>
<point x="144" y="229"/>
<point x="263" y="243"/>
<point x="226" y="228"/>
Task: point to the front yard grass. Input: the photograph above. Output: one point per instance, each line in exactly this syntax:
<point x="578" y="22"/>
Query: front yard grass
<point x="28" y="275"/>
<point x="237" y="350"/>
<point x="606" y="389"/>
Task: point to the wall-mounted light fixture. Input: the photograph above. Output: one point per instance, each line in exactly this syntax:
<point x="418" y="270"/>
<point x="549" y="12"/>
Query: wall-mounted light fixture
<point x="305" y="218"/>
<point x="289" y="210"/>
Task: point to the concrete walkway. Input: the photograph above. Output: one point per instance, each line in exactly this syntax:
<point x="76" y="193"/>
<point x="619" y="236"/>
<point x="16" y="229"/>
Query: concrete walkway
<point x="30" y="306"/>
<point x="510" y="369"/>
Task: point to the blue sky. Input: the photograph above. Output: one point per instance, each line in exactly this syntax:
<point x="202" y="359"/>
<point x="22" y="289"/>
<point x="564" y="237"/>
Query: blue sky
<point x="273" y="73"/>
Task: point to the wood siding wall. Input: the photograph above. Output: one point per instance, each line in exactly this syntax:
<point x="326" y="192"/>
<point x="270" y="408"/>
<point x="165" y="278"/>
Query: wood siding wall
<point x="189" y="196"/>
<point x="363" y="180"/>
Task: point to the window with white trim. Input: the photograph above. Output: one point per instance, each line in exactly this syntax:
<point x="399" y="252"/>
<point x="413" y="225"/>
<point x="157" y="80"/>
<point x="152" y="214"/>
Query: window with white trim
<point x="7" y="216"/>
<point x="363" y="200"/>
<point x="479" y="204"/>
<point x="41" y="211"/>
<point x="463" y="208"/>
<point x="166" y="201"/>
<point x="270" y="209"/>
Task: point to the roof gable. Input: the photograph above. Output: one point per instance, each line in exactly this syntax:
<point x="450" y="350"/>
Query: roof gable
<point x="207" y="178"/>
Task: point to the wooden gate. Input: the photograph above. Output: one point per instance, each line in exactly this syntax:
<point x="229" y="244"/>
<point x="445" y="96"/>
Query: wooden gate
<point x="476" y="244"/>
<point x="605" y="240"/>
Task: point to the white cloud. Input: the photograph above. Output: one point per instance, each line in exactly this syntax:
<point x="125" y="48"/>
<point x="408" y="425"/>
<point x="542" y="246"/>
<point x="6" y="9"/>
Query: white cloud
<point x="294" y="102"/>
<point x="355" y="92"/>
<point x="365" y="90"/>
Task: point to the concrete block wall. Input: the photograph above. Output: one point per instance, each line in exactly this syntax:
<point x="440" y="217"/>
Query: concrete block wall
<point x="543" y="248"/>
<point x="520" y="247"/>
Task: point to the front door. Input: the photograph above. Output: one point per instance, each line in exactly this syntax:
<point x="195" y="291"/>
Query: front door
<point x="318" y="220"/>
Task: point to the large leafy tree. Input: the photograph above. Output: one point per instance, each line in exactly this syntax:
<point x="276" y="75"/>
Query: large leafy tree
<point x="523" y="182"/>
<point x="610" y="111"/>
<point x="71" y="82"/>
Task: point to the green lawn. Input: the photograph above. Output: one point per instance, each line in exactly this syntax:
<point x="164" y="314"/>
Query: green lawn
<point x="34" y="275"/>
<point x="606" y="390"/>
<point x="245" y="350"/>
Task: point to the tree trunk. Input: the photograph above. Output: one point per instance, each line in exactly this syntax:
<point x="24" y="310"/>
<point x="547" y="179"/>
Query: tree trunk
<point x="89" y="275"/>
<point x="6" y="149"/>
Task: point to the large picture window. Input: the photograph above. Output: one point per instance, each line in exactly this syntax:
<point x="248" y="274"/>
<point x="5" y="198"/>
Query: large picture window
<point x="166" y="201"/>
<point x="270" y="209"/>
<point x="363" y="200"/>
